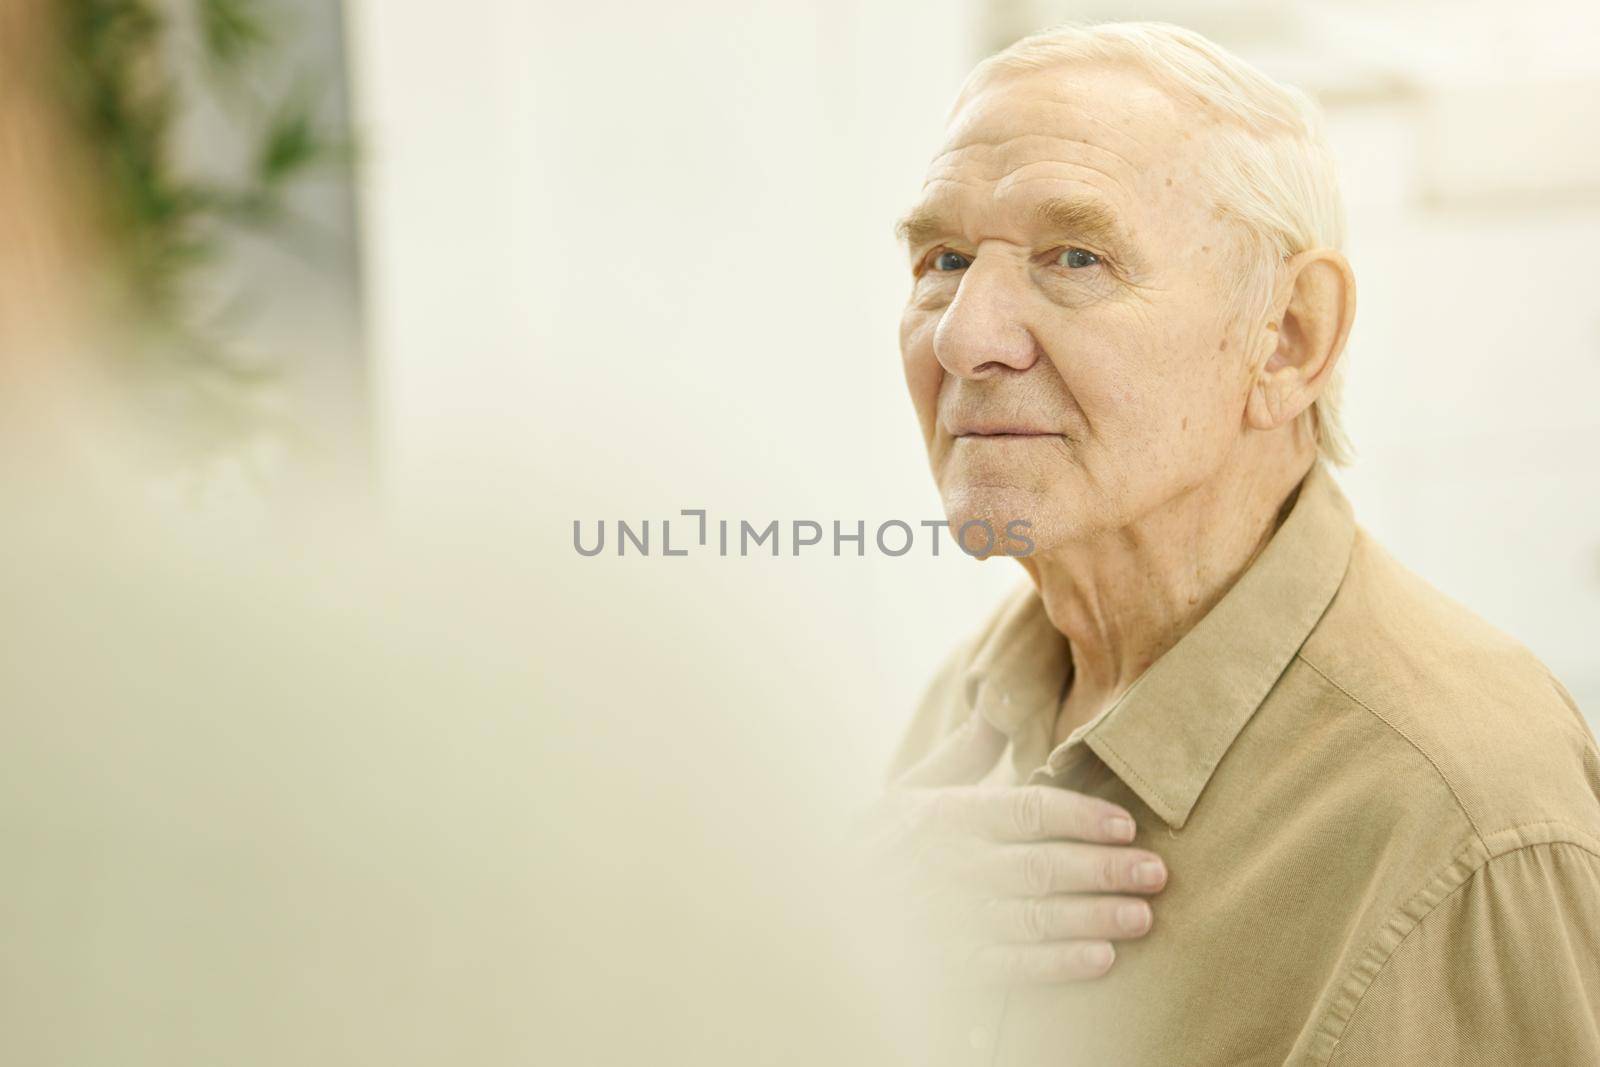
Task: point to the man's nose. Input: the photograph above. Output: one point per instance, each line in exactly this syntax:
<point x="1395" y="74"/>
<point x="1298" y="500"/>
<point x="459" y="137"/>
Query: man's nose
<point x="981" y="331"/>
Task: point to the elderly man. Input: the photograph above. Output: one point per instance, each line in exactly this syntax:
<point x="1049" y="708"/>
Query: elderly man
<point x="1224" y="783"/>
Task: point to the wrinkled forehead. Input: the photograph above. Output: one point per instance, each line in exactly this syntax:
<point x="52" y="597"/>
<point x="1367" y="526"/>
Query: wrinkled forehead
<point x="1104" y="126"/>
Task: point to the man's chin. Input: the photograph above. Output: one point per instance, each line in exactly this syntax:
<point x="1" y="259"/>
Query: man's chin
<point x="990" y="521"/>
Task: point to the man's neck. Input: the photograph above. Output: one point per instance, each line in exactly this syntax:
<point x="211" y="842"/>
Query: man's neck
<point x="1123" y="599"/>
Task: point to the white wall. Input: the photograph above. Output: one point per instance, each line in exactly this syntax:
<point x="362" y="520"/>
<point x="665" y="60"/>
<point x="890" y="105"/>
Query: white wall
<point x="621" y="266"/>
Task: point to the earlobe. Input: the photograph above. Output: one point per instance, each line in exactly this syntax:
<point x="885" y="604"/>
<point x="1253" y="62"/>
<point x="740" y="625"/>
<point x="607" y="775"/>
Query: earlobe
<point x="1270" y="401"/>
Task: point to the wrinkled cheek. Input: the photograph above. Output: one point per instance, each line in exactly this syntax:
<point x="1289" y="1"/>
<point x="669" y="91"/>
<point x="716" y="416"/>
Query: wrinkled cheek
<point x="924" y="374"/>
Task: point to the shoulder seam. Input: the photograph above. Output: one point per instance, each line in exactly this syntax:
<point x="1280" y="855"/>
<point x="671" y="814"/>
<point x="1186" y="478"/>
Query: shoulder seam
<point x="1366" y="987"/>
<point x="1448" y="784"/>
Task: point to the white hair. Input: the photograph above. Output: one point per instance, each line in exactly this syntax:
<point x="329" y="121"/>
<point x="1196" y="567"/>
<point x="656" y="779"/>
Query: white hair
<point x="1270" y="167"/>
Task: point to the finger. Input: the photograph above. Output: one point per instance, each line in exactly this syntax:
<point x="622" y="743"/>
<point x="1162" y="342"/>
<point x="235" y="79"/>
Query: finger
<point x="1064" y="961"/>
<point x="1068" y="917"/>
<point x="1039" y="870"/>
<point x="1042" y="813"/>
<point x="962" y="758"/>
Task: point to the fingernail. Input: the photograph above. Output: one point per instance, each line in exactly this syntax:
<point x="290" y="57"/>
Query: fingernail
<point x="1119" y="828"/>
<point x="1148" y="873"/>
<point x="1134" y="916"/>
<point x="1099" y="956"/>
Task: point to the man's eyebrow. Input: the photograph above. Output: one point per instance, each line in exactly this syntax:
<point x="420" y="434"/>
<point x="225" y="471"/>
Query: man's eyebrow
<point x="1086" y="220"/>
<point x="1067" y="217"/>
<point x="922" y="225"/>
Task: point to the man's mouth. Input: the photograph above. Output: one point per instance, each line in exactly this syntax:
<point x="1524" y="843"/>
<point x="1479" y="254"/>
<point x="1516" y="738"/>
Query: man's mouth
<point x="999" y="432"/>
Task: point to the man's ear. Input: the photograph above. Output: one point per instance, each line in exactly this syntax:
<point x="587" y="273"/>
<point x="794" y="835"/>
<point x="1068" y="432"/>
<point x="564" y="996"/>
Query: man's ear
<point x="1309" y="320"/>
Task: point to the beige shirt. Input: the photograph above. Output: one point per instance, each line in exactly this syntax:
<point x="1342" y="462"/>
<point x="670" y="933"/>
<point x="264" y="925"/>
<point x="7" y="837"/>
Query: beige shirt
<point x="1381" y="817"/>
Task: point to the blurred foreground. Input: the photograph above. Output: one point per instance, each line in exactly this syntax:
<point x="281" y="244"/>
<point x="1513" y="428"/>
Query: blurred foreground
<point x="329" y="807"/>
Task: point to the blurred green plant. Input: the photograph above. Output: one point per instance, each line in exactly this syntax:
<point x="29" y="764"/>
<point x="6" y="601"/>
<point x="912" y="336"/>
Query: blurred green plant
<point x="135" y="74"/>
<point x="122" y="81"/>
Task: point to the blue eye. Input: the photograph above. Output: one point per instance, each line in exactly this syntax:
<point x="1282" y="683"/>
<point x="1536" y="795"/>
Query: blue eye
<point x="1076" y="258"/>
<point x="948" y="261"/>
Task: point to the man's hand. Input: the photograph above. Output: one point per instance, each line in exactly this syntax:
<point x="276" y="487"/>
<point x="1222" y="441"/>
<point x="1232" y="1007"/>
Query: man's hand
<point x="1015" y="884"/>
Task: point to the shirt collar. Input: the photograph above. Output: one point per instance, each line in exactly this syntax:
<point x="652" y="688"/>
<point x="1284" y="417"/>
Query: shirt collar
<point x="1166" y="735"/>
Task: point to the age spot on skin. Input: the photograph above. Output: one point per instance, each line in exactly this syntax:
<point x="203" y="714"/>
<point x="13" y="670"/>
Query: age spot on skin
<point x="1222" y="345"/>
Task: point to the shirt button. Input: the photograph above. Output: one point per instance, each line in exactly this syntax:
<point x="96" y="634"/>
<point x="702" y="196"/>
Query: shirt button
<point x="978" y="1037"/>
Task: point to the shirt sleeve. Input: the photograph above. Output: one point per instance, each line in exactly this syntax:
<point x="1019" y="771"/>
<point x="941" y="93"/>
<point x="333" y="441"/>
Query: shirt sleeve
<point x="1505" y="970"/>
